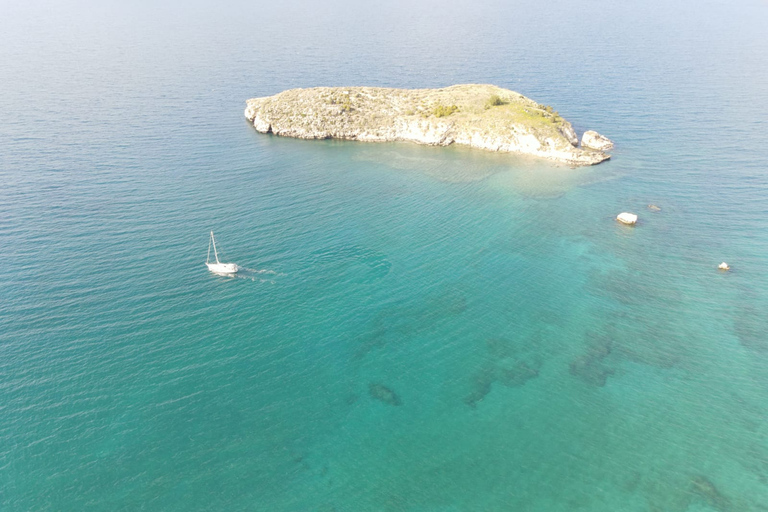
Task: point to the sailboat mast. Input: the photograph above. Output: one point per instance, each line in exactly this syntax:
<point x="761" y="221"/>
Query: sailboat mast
<point x="208" y="258"/>
<point x="213" y="240"/>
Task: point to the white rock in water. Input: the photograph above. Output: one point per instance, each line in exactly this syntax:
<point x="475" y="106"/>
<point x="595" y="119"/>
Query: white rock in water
<point x="594" y="140"/>
<point x="724" y="266"/>
<point x="627" y="218"/>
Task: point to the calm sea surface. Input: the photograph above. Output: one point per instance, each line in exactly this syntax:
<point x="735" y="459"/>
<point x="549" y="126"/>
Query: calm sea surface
<point x="417" y="329"/>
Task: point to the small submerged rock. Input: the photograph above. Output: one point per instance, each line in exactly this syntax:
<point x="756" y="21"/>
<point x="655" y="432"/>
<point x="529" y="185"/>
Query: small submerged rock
<point x="654" y="208"/>
<point x="593" y="140"/>
<point x="382" y="393"/>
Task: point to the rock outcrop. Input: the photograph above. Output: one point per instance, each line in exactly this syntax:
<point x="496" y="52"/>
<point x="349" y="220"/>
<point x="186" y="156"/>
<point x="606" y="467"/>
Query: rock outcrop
<point x="594" y="140"/>
<point x="479" y="116"/>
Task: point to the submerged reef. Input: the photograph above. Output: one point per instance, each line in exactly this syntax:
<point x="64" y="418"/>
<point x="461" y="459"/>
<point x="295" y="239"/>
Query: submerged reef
<point x="382" y="393"/>
<point x="480" y="385"/>
<point x="507" y="364"/>
<point x="517" y="374"/>
<point x="400" y="323"/>
<point x="475" y="115"/>
<point x="705" y="489"/>
<point x="507" y="373"/>
<point x="589" y="366"/>
<point x="751" y="327"/>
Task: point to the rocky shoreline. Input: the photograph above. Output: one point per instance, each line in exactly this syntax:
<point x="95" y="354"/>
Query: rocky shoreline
<point x="479" y="116"/>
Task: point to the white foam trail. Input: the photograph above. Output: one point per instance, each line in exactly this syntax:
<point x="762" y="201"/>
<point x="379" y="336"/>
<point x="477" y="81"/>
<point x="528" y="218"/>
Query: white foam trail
<point x="253" y="274"/>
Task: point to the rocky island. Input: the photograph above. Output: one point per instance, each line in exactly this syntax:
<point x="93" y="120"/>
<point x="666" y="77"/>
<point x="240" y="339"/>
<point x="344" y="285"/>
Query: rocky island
<point x="478" y="116"/>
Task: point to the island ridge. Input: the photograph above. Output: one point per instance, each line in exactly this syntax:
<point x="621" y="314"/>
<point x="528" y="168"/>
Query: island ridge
<point x="474" y="115"/>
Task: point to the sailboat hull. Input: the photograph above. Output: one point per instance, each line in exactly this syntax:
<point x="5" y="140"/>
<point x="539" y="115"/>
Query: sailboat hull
<point x="223" y="268"/>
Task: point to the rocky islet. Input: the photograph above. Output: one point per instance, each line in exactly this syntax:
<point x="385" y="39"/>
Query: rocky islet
<point x="475" y="115"/>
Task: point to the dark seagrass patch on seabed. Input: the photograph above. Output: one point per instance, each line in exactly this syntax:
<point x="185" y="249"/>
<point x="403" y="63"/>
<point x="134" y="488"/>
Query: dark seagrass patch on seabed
<point x="403" y="321"/>
<point x="480" y="385"/>
<point x="751" y="327"/>
<point x="506" y="363"/>
<point x="589" y="366"/>
<point x="702" y="487"/>
<point x="516" y="374"/>
<point x="382" y="393"/>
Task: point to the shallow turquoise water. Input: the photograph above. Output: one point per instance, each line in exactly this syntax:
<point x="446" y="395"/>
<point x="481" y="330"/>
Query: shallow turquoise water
<point x="418" y="328"/>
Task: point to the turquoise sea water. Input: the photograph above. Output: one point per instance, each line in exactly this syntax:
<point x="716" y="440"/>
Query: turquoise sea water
<point x="418" y="329"/>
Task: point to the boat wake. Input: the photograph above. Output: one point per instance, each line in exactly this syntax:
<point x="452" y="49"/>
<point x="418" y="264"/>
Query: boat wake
<point x="262" y="276"/>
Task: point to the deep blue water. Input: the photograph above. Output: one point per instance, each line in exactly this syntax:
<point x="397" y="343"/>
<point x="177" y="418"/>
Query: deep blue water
<point x="417" y="328"/>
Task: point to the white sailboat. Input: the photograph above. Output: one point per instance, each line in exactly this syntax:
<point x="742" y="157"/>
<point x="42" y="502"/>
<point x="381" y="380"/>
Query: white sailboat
<point x="218" y="267"/>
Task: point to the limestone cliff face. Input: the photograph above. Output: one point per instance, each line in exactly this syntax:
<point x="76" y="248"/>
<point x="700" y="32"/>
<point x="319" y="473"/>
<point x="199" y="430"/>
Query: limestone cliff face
<point x="479" y="116"/>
